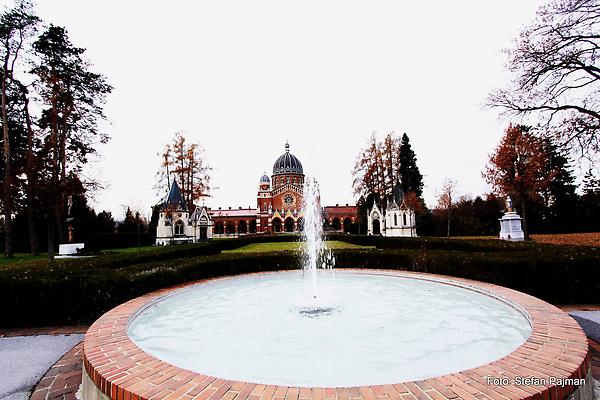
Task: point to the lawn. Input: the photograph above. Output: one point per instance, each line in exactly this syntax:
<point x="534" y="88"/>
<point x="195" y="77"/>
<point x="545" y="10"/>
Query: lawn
<point x="129" y="250"/>
<point x="283" y="246"/>
<point x="21" y="258"/>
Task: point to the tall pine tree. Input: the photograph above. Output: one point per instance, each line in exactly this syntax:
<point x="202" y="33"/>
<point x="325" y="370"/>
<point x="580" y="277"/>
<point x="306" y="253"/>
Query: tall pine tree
<point x="411" y="178"/>
<point x="73" y="99"/>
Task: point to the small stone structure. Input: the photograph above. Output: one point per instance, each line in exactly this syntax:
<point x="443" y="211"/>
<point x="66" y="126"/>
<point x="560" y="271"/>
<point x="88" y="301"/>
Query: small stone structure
<point x="396" y="220"/>
<point x="178" y="224"/>
<point x="70" y="249"/>
<point x="510" y="224"/>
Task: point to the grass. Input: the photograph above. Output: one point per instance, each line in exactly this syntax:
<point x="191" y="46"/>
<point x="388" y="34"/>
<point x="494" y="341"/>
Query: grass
<point x="294" y="246"/>
<point x="24" y="258"/>
<point x="21" y="258"/>
<point x="130" y="250"/>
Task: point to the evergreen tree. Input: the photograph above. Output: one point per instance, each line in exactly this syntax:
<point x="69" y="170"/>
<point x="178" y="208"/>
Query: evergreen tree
<point x="132" y="222"/>
<point x="105" y="222"/>
<point x="560" y="199"/>
<point x="16" y="26"/>
<point x="72" y="100"/>
<point x="588" y="207"/>
<point x="411" y="178"/>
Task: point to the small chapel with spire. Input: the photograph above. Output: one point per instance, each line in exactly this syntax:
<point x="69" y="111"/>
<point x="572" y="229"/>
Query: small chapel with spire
<point x="180" y="223"/>
<point x="396" y="219"/>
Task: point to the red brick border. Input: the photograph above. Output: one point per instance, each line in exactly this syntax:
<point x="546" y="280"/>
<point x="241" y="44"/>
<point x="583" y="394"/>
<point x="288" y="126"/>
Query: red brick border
<point x="557" y="348"/>
<point x="62" y="380"/>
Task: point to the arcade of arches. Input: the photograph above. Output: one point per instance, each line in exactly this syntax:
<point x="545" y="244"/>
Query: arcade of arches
<point x="279" y="205"/>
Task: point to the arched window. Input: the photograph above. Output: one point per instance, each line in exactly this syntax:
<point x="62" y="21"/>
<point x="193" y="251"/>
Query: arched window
<point x="395" y="219"/>
<point x="404" y="219"/>
<point x="179" y="227"/>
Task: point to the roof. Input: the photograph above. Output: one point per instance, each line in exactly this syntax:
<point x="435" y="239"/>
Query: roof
<point x="175" y="198"/>
<point x="397" y="197"/>
<point x="244" y="212"/>
<point x="265" y="179"/>
<point x="287" y="163"/>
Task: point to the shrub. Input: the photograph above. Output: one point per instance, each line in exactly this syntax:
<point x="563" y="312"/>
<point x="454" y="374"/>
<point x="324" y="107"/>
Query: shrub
<point x="74" y="291"/>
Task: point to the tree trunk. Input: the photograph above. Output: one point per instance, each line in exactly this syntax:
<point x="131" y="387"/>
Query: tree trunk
<point x="448" y="229"/>
<point x="56" y="192"/>
<point x="33" y="238"/>
<point x="31" y="178"/>
<point x="7" y="184"/>
<point x="50" y="236"/>
<point x="524" y="216"/>
<point x="58" y="221"/>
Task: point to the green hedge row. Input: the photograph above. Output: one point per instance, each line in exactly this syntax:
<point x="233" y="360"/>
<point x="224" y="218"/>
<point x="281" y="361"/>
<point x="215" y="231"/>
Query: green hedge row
<point x="553" y="277"/>
<point x="69" y="294"/>
<point x="76" y="291"/>
<point x="438" y="243"/>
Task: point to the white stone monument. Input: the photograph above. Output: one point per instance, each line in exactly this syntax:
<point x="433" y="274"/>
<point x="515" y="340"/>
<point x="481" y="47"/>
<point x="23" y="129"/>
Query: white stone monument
<point x="510" y="224"/>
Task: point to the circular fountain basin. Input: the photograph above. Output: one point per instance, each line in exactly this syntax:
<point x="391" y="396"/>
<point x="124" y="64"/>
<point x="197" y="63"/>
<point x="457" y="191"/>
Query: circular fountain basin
<point x="361" y="329"/>
<point x="367" y="333"/>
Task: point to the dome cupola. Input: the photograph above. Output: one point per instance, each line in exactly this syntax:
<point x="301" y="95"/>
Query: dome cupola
<point x="287" y="163"/>
<point x="265" y="180"/>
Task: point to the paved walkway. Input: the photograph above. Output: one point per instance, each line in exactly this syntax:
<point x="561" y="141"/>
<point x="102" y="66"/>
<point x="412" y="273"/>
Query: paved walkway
<point x="62" y="381"/>
<point x="25" y="359"/>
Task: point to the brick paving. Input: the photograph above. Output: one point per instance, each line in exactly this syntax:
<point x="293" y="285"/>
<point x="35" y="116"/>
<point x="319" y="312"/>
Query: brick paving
<point x="49" y="330"/>
<point x="595" y="354"/>
<point x="62" y="381"/>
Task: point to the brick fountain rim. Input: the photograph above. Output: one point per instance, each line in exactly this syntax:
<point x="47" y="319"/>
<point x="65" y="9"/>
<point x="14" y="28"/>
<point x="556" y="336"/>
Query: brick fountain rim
<point x="557" y="349"/>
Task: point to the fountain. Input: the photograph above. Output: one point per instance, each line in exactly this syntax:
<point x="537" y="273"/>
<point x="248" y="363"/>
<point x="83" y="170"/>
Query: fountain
<point x="360" y="332"/>
<point x="315" y="253"/>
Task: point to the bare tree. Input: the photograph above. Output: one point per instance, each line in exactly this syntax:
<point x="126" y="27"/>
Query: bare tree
<point x="556" y="73"/>
<point x="445" y="200"/>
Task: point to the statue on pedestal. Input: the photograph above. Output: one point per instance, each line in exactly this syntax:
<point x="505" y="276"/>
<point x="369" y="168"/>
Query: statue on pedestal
<point x="510" y="224"/>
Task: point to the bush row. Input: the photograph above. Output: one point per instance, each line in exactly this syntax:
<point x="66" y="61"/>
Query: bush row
<point x="71" y="294"/>
<point x="118" y="240"/>
<point x="437" y="243"/>
<point x="556" y="278"/>
<point x="66" y="294"/>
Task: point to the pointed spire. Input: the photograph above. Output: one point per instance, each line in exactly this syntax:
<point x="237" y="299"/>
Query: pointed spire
<point x="287" y="146"/>
<point x="175" y="197"/>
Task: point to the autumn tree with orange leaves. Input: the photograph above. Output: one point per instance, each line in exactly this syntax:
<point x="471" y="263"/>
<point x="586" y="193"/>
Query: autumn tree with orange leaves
<point x="184" y="161"/>
<point x="519" y="168"/>
<point x="382" y="164"/>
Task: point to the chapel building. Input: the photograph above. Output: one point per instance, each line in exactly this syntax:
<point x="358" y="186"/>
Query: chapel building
<point x="279" y="203"/>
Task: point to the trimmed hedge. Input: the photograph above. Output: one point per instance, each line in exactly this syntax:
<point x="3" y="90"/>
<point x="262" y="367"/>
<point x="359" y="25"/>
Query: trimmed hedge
<point x="67" y="294"/>
<point x="74" y="291"/>
<point x="437" y="243"/>
<point x="118" y="240"/>
<point x="554" y="277"/>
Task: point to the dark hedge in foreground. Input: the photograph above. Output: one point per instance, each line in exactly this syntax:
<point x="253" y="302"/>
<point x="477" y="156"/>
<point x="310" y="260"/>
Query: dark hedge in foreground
<point x="77" y="291"/>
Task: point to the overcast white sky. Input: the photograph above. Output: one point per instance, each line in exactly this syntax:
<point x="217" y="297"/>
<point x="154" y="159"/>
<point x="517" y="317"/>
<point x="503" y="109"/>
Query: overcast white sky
<point x="242" y="77"/>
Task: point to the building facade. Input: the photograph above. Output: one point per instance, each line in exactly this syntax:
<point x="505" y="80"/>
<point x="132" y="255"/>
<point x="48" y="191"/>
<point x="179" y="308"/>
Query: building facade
<point x="396" y="220"/>
<point x="179" y="223"/>
<point x="279" y="203"/>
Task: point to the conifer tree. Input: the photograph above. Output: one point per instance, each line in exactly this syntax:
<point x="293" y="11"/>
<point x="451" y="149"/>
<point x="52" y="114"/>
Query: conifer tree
<point x="411" y="178"/>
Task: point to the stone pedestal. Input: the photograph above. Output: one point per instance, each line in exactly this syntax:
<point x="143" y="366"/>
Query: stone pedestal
<point x="511" y="228"/>
<point x="70" y="249"/>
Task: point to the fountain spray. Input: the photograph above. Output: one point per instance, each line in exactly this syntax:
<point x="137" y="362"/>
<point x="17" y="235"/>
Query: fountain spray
<point x="315" y="253"/>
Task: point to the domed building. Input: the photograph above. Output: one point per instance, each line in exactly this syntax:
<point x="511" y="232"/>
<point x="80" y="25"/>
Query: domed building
<point x="278" y="204"/>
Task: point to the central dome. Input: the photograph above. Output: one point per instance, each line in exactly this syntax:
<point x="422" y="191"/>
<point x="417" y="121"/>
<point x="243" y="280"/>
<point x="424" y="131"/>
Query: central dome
<point x="287" y="163"/>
